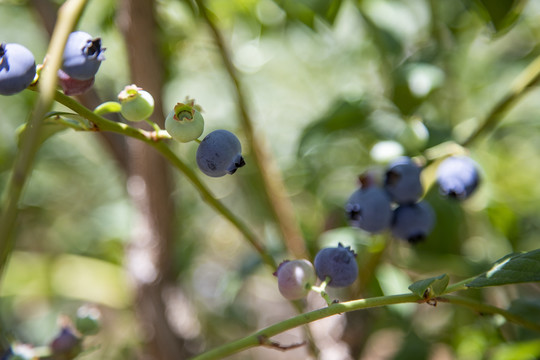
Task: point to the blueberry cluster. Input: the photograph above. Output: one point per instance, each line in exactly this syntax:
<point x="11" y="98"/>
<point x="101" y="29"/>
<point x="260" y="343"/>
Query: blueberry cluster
<point x="395" y="205"/>
<point x="81" y="59"/>
<point x="335" y="266"/>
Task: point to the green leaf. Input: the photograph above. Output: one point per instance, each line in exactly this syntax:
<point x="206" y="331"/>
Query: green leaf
<point x="342" y="116"/>
<point x="501" y="14"/>
<point x="511" y="269"/>
<point x="305" y="11"/>
<point x="430" y="287"/>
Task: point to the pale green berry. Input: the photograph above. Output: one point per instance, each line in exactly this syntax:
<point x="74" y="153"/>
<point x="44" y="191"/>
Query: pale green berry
<point x="137" y="104"/>
<point x="184" y="123"/>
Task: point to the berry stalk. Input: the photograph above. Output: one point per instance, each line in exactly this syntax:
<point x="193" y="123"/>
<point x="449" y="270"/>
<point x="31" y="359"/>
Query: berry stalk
<point x="68" y="16"/>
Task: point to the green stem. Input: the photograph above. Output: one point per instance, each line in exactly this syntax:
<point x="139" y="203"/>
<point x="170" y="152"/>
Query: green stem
<point x="260" y="337"/>
<point x="489" y="309"/>
<point x="151" y="138"/>
<point x="68" y="16"/>
<point x="321" y="289"/>
<point x="525" y="80"/>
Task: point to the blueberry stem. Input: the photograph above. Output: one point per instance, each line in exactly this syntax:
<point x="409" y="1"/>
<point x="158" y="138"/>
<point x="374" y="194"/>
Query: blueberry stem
<point x="522" y="83"/>
<point x="152" y="139"/>
<point x="274" y="192"/>
<point x="155" y="126"/>
<point x="354" y="305"/>
<point x="321" y="289"/>
<point x="68" y="16"/>
<point x="108" y="107"/>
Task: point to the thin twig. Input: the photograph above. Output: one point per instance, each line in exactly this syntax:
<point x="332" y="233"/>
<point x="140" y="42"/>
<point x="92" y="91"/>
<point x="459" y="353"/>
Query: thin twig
<point x="272" y="180"/>
<point x="153" y="139"/>
<point x="524" y="82"/>
<point x="68" y="15"/>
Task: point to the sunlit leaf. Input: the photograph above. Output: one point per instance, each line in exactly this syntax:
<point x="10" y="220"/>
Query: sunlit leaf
<point x="511" y="269"/>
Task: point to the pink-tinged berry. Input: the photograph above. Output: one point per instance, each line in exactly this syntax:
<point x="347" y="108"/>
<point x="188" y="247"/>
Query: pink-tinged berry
<point x="73" y="87"/>
<point x="295" y="278"/>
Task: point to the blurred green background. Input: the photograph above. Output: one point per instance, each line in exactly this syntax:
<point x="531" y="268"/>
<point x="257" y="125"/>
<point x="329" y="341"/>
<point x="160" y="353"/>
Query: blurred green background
<point x="334" y="88"/>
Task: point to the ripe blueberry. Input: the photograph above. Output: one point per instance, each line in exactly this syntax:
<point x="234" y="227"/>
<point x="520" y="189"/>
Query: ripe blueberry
<point x="337" y="263"/>
<point x="136" y="103"/>
<point x="402" y="181"/>
<point x="295" y="278"/>
<point x="17" y="68"/>
<point x="413" y="222"/>
<point x="184" y="123"/>
<point x="369" y="208"/>
<point x="65" y="345"/>
<point x="458" y="177"/>
<point x="219" y="153"/>
<point x="82" y="56"/>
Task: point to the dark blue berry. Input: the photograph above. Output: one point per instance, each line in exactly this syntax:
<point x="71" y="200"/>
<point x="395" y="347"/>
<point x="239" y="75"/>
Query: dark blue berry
<point x="66" y="345"/>
<point x="413" y="222"/>
<point x="83" y="55"/>
<point x="337" y="263"/>
<point x="369" y="209"/>
<point x="458" y="177"/>
<point x="17" y="68"/>
<point x="402" y="181"/>
<point x="220" y="153"/>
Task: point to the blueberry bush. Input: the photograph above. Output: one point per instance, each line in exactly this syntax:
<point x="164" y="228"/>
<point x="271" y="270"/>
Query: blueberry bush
<point x="263" y="179"/>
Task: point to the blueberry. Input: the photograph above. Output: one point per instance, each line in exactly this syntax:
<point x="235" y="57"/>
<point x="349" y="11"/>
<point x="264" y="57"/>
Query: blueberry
<point x="402" y="181"/>
<point x="369" y="209"/>
<point x="82" y="56"/>
<point x="17" y="68"/>
<point x="458" y="177"/>
<point x="413" y="222"/>
<point x="185" y="123"/>
<point x="88" y="320"/>
<point x="219" y="153"/>
<point x="71" y="86"/>
<point x="295" y="278"/>
<point x="66" y="345"/>
<point x="337" y="263"/>
<point x="136" y="103"/>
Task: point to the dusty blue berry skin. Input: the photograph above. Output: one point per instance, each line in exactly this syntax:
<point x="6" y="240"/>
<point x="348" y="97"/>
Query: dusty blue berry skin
<point x="295" y="278"/>
<point x="458" y="177"/>
<point x="369" y="209"/>
<point x="402" y="181"/>
<point x="82" y="56"/>
<point x="219" y="154"/>
<point x="413" y="222"/>
<point x="17" y="68"/>
<point x="338" y="263"/>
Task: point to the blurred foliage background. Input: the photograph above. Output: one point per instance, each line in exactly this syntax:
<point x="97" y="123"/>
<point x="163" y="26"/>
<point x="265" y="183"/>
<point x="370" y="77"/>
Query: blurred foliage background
<point x="334" y="88"/>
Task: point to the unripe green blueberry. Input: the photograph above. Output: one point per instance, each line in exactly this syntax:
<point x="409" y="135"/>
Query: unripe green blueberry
<point x="88" y="321"/>
<point x="137" y="104"/>
<point x="184" y="123"/>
